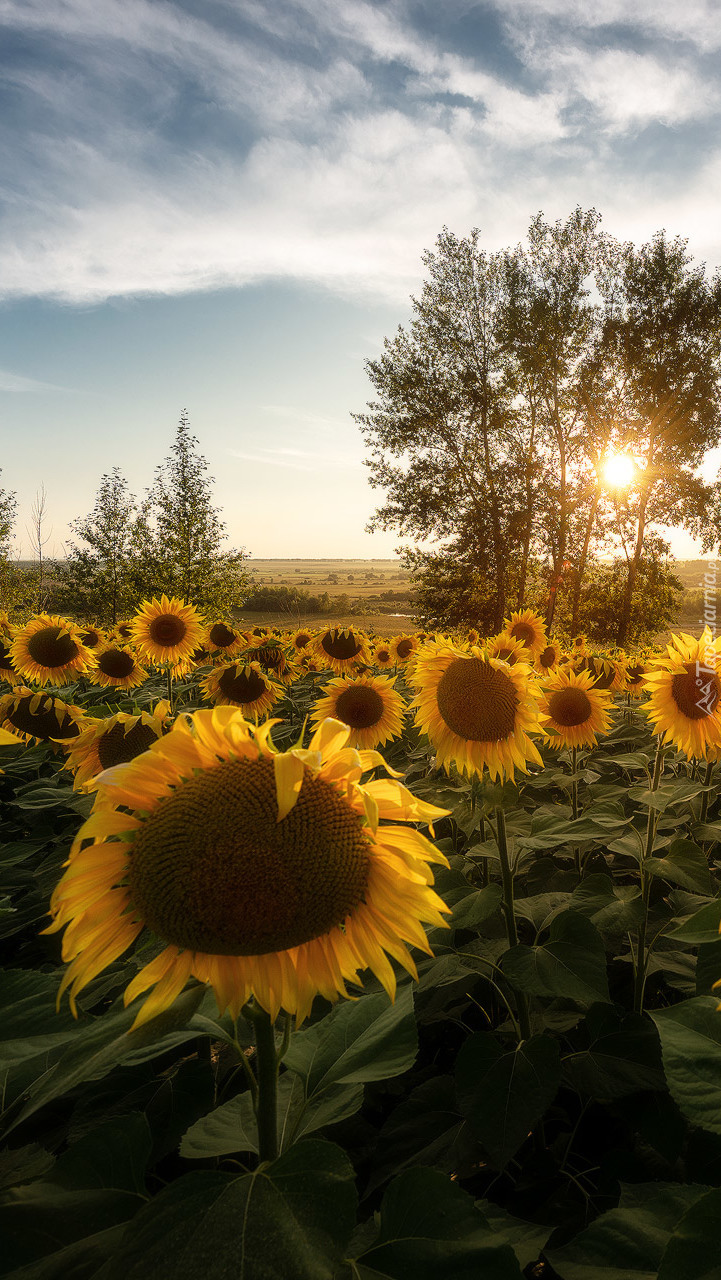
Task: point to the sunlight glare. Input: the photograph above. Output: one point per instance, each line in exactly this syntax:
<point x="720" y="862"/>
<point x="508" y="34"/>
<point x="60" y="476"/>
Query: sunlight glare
<point x="619" y="470"/>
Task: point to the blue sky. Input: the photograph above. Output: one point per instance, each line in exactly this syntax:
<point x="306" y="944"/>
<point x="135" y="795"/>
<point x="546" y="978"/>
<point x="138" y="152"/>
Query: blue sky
<point x="222" y="206"/>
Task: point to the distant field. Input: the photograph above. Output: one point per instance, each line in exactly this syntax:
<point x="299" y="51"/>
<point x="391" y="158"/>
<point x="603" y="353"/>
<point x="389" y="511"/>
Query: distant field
<point x="358" y="578"/>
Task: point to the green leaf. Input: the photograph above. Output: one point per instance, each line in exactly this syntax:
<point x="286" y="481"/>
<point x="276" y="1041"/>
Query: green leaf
<point x="572" y="964"/>
<point x="502" y="1093"/>
<point x="678" y="791"/>
<point x="359" y="1040"/>
<point x="100" y="1045"/>
<point x="476" y="907"/>
<point x="684" y="864"/>
<point x="114" y="1155"/>
<point x="691" y="1047"/>
<point x="627" y="1243"/>
<point x="708" y="967"/>
<point x="24" y="1164"/>
<point x="291" y="1218"/>
<point x="693" y="1251"/>
<point x="423" y="1130"/>
<point x="702" y="927"/>
<point x="40" y="1219"/>
<point x="233" y="1127"/>
<point x="80" y="1260"/>
<point x="549" y="831"/>
<point x="430" y="1229"/>
<point x="623" y="1055"/>
<point x="527" y="1239"/>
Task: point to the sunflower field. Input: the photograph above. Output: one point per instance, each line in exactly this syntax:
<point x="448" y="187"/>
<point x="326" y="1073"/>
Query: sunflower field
<point x="334" y="957"/>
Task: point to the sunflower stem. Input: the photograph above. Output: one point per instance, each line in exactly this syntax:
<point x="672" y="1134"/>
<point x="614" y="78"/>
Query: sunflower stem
<point x="267" y="1069"/>
<point x="641" y="948"/>
<point x="524" y="1021"/>
<point x="169" y="676"/>
<point x="705" y="797"/>
<point x="574" y="808"/>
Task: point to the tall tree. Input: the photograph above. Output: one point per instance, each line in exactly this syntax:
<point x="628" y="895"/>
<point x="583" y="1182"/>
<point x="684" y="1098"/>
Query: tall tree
<point x="440" y="432"/>
<point x="96" y="579"/>
<point x="179" y="534"/>
<point x="8" y="575"/>
<point x="660" y="345"/>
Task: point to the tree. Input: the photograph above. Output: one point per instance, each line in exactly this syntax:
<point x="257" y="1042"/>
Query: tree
<point x="97" y="576"/>
<point x="518" y="373"/>
<point x="39" y="539"/>
<point x="660" y="347"/>
<point x="8" y="573"/>
<point x="179" y="534"/>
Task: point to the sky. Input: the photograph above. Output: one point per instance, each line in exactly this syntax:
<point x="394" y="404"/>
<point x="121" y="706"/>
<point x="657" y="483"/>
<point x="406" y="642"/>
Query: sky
<point x="222" y="206"/>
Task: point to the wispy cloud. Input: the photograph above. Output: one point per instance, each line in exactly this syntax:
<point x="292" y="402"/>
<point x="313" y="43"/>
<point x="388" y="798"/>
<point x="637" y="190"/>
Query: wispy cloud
<point x="150" y="150"/>
<point x="297" y="459"/>
<point x="15" y="382"/>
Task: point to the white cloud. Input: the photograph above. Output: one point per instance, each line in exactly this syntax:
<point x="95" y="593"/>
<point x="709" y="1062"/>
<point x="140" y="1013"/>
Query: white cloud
<point x="295" y="167"/>
<point x="15" y="382"/>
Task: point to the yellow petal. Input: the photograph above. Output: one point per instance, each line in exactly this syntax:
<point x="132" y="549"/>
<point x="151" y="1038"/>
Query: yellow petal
<point x="289" y="775"/>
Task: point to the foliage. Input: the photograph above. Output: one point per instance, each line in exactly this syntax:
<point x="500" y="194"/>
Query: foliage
<point x="179" y="535"/>
<point x="420" y="1137"/>
<point x="494" y="408"/>
<point x="96" y="579"/>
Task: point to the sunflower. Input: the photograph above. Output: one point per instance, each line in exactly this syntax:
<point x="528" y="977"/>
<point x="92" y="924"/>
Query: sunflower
<point x="381" y="656"/>
<point x="118" y="668"/>
<point x="49" y="650"/>
<point x="473" y="636"/>
<point x="606" y="673"/>
<point x="92" y="637"/>
<point x="685" y="689"/>
<point x="528" y="627"/>
<point x="579" y="645"/>
<point x="548" y="659"/>
<point x="341" y="648"/>
<point x="403" y="648"/>
<point x="477" y="710"/>
<point x="38" y="717"/>
<point x="263" y="873"/>
<point x="507" y="649"/>
<point x="167" y="630"/>
<point x="301" y="639"/>
<point x="115" y="740"/>
<point x="574" y="712"/>
<point x="369" y="705"/>
<point x="7" y="670"/>
<point x="271" y="656"/>
<point x="636" y="668"/>
<point x="242" y="684"/>
<point x="222" y="639"/>
<point x="122" y="631"/>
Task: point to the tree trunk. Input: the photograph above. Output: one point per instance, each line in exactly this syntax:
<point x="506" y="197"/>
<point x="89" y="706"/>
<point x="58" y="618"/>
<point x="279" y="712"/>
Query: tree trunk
<point x="624" y="621"/>
<point x="581" y="567"/>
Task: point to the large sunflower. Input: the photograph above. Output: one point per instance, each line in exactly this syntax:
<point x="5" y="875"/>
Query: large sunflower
<point x="118" y="668"/>
<point x="605" y="673"/>
<point x="49" y="650"/>
<point x="38" y="717"/>
<point x="685" y="689"/>
<point x="264" y="874"/>
<point x="301" y="639"/>
<point x="528" y="627"/>
<point x="273" y="658"/>
<point x="244" y="685"/>
<point x="476" y="710"/>
<point x="341" y="649"/>
<point x="574" y="711"/>
<point x="548" y="659"/>
<point x="224" y="640"/>
<point x="115" y="740"/>
<point x="7" y="670"/>
<point x="167" y="630"/>
<point x="508" y="649"/>
<point x="381" y="655"/>
<point x="369" y="705"/>
<point x="92" y="636"/>
<point x="403" y="648"/>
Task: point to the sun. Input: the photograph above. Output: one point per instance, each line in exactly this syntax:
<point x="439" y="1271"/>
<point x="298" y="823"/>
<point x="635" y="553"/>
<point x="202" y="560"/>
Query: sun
<point x="619" y="470"/>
